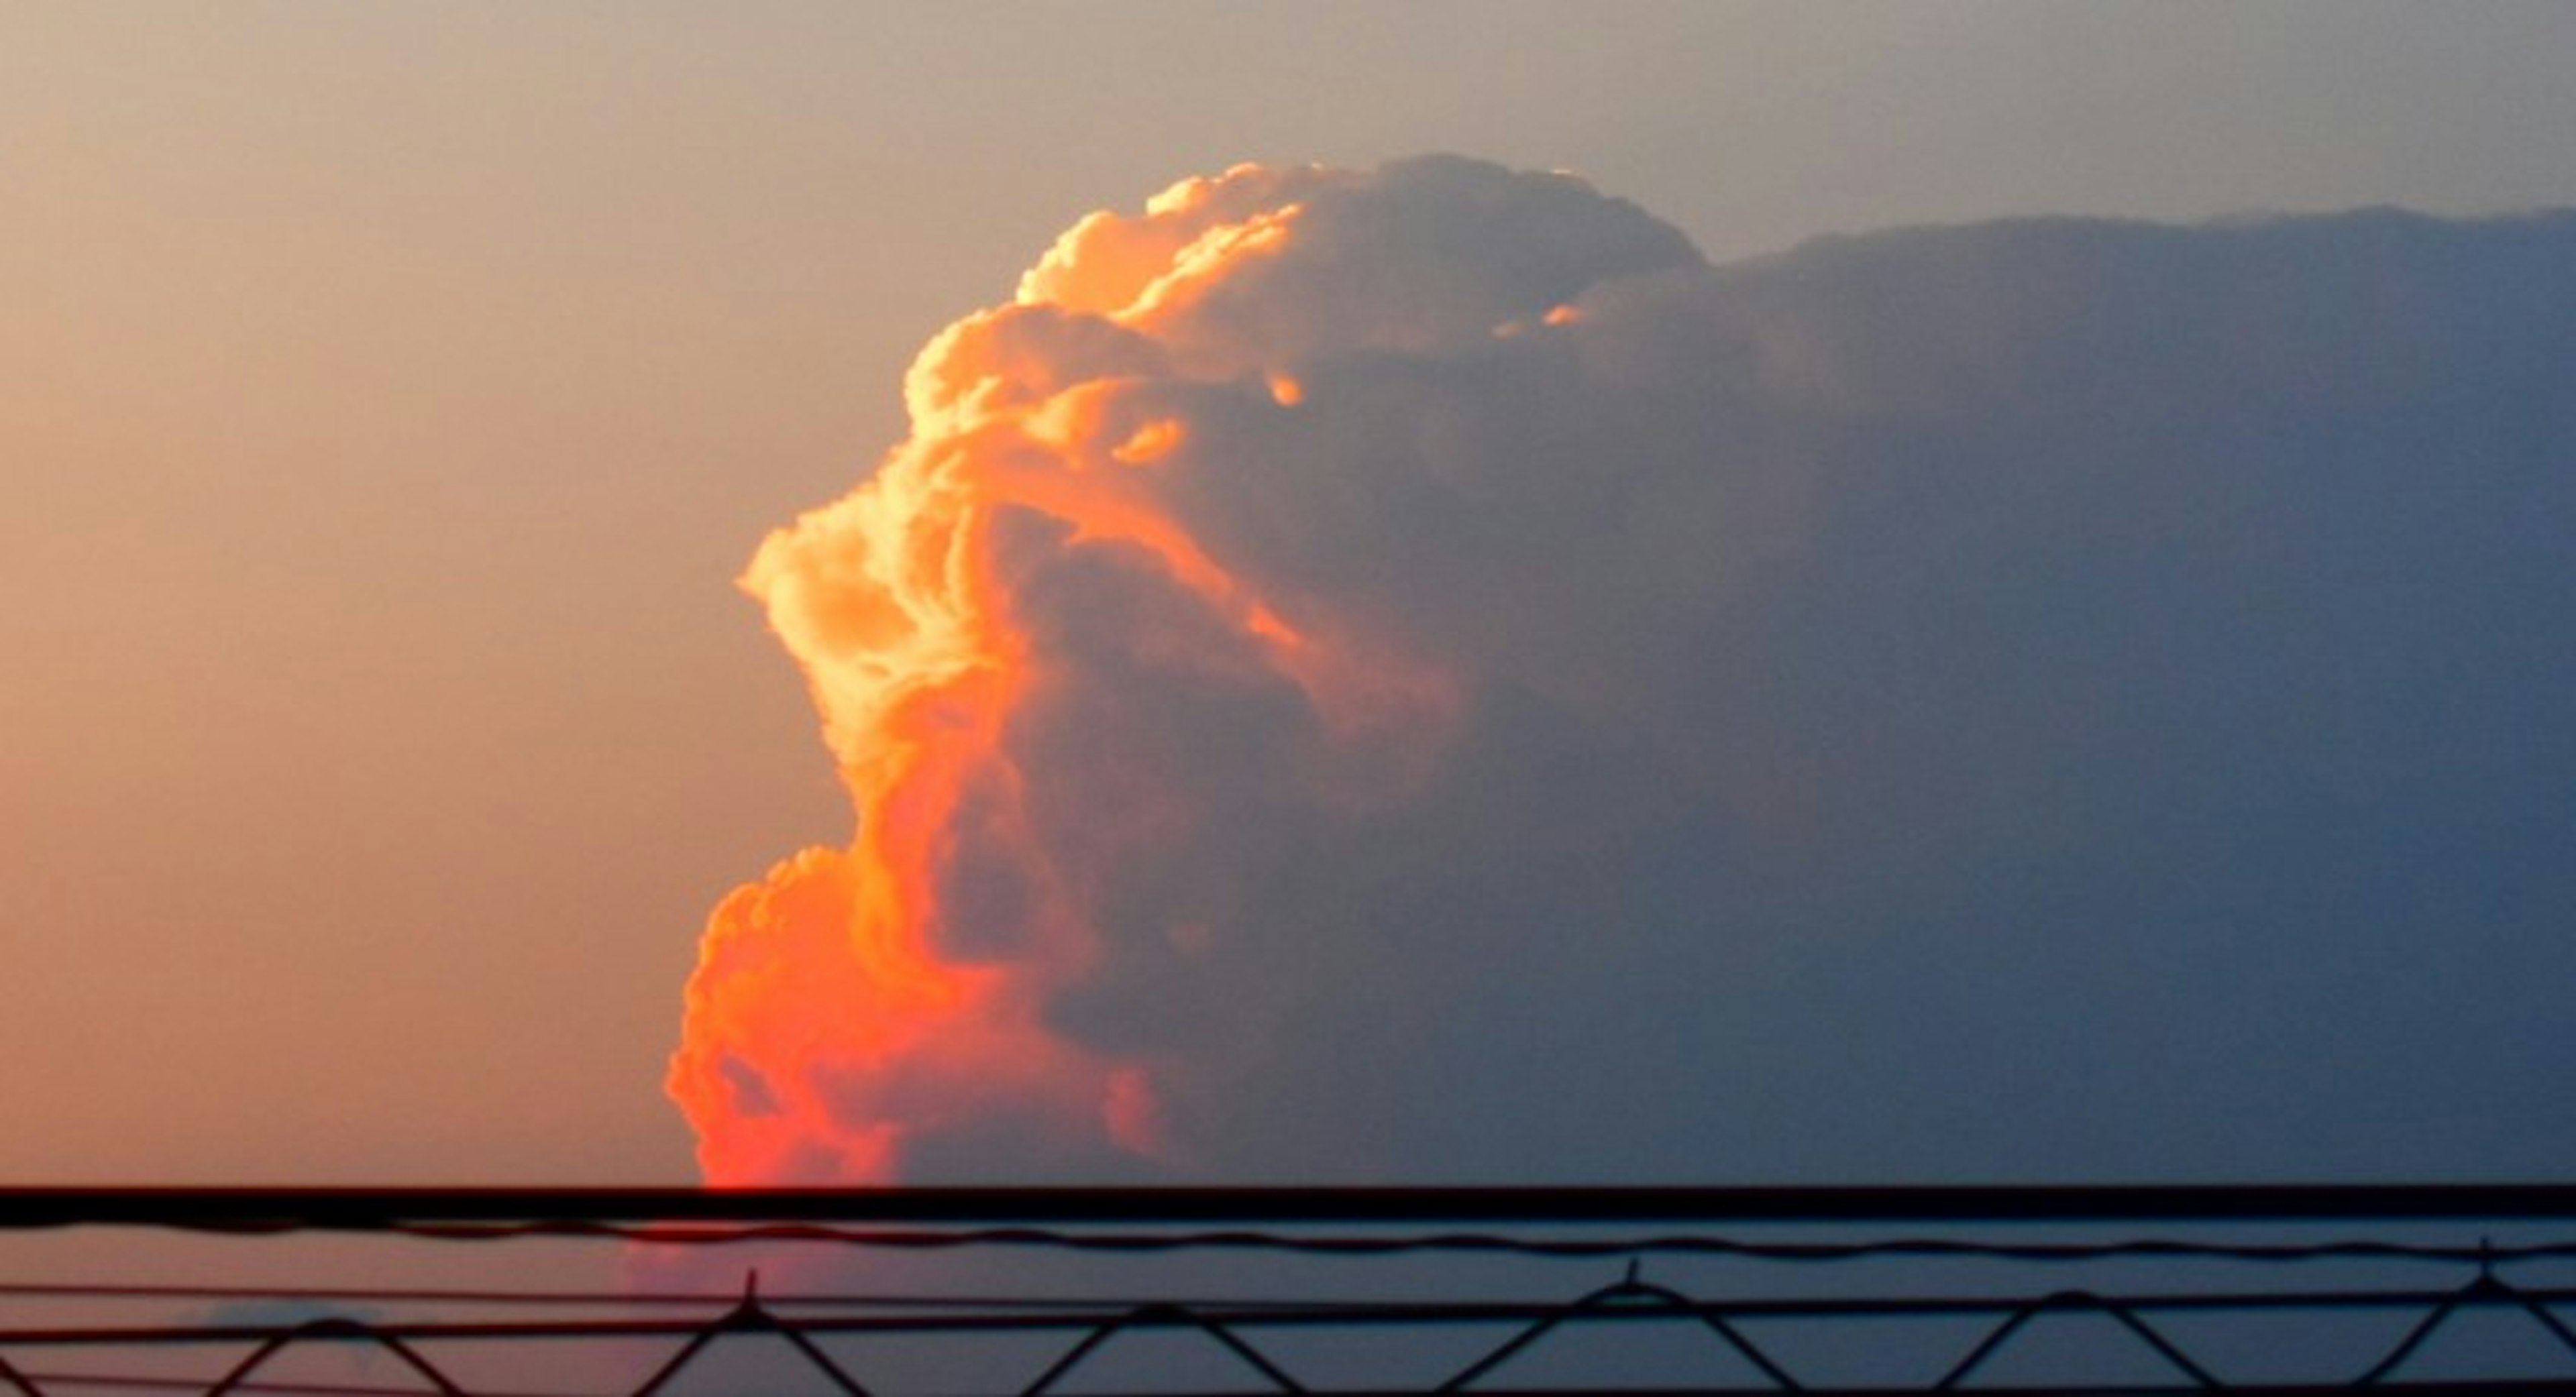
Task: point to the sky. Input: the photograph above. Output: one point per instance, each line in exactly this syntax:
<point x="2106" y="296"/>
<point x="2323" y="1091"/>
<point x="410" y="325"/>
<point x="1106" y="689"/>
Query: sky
<point x="390" y="396"/>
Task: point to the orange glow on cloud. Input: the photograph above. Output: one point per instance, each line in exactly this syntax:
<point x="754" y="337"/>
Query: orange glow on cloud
<point x="848" y="1004"/>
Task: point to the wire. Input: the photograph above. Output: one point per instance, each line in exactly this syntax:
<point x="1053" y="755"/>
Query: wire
<point x="57" y="1381"/>
<point x="1095" y="1326"/>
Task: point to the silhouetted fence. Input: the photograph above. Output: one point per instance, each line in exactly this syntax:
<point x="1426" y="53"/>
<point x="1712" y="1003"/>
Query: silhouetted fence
<point x="2275" y="1289"/>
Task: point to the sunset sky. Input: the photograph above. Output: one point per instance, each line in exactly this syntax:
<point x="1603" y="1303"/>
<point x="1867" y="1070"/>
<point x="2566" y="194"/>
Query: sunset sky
<point x="391" y="394"/>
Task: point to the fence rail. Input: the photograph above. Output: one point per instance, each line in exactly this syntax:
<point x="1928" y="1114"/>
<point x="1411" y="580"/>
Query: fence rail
<point x="365" y="1209"/>
<point x="2276" y="1289"/>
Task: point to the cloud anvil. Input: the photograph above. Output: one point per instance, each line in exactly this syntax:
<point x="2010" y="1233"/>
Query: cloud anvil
<point x="1414" y="673"/>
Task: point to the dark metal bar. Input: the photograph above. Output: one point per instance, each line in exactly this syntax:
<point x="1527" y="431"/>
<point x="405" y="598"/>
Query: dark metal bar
<point x="2506" y="1387"/>
<point x="377" y="1209"/>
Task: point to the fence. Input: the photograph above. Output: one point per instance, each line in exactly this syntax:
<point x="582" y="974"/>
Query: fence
<point x="2281" y="1290"/>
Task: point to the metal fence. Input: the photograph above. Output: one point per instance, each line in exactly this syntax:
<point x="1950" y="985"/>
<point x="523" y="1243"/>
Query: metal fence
<point x="2271" y="1289"/>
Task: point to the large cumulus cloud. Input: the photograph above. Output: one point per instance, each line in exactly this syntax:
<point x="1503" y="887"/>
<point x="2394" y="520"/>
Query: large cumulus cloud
<point x="1413" y="674"/>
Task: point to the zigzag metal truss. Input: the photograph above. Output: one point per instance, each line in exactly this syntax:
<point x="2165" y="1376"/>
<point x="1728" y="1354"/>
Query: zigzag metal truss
<point x="828" y="1340"/>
